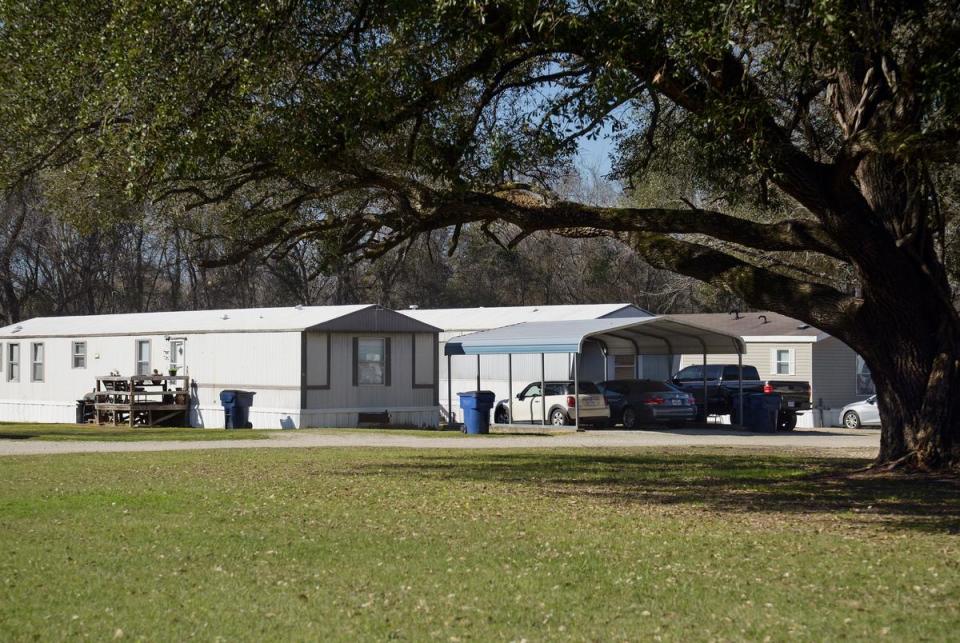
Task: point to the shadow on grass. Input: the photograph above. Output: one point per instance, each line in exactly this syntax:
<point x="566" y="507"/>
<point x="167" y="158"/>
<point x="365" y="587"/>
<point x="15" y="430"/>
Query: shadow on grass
<point x="730" y="483"/>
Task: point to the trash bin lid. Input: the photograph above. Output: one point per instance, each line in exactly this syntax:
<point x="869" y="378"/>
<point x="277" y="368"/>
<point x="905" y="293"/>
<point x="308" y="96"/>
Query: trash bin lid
<point x="228" y="396"/>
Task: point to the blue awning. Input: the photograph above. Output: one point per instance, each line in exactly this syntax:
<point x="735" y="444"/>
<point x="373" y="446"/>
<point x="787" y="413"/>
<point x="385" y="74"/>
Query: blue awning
<point x="632" y="335"/>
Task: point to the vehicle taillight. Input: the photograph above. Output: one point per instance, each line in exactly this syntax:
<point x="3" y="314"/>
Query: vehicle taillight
<point x="654" y="401"/>
<point x="571" y="401"/>
<point x="767" y="388"/>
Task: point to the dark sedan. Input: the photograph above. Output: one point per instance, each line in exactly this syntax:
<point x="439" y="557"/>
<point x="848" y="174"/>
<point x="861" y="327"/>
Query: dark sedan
<point x="637" y="402"/>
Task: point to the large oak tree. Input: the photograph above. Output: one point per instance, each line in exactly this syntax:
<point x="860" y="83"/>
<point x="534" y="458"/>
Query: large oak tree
<point x="818" y="138"/>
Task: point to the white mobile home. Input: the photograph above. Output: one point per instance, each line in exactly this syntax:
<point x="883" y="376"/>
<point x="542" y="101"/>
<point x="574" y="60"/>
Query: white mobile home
<point x="308" y="366"/>
<point x="596" y="363"/>
<point x="784" y="348"/>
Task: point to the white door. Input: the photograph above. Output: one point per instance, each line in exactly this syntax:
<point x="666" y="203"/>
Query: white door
<point x="178" y="356"/>
<point x="871" y="412"/>
<point x="526" y="407"/>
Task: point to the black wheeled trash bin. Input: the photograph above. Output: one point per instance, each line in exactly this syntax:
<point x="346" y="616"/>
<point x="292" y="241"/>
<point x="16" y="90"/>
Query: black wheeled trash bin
<point x="760" y="411"/>
<point x="236" y="409"/>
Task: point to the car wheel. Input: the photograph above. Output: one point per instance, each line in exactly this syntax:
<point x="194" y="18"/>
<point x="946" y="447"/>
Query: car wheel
<point x="500" y="416"/>
<point x="787" y="421"/>
<point x="558" y="417"/>
<point x="629" y="418"/>
<point x="851" y="420"/>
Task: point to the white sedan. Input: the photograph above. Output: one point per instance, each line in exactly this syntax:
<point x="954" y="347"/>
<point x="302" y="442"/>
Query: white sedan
<point x="858" y="414"/>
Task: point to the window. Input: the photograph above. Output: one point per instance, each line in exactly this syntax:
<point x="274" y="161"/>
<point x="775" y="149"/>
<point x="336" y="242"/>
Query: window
<point x="143" y="357"/>
<point x="36" y="362"/>
<point x="624" y="367"/>
<point x="864" y="378"/>
<point x="13" y="362"/>
<point x="532" y="390"/>
<point x="783" y="361"/>
<point x="79" y="352"/>
<point x="371" y="361"/>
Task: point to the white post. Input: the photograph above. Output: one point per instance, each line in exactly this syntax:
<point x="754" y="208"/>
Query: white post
<point x="543" y="390"/>
<point x="510" y="388"/>
<point x="576" y="390"/>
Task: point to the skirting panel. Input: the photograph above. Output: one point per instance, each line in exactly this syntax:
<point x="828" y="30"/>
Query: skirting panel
<point x="38" y="411"/>
<point x="428" y="416"/>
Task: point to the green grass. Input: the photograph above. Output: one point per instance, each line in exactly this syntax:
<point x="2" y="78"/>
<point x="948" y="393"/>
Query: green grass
<point x="348" y="544"/>
<point x="10" y="431"/>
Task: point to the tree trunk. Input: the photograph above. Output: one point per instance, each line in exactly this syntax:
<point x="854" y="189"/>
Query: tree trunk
<point x="915" y="365"/>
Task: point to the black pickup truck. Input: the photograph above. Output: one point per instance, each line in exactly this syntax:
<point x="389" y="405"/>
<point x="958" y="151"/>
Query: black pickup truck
<point x="723" y="386"/>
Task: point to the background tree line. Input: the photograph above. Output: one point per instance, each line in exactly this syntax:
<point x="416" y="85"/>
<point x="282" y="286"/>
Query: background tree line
<point x="52" y="264"/>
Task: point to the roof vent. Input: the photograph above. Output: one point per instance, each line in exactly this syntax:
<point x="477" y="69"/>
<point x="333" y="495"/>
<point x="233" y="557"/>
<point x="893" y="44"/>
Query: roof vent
<point x="803" y="326"/>
<point x="735" y="313"/>
<point x="17" y="328"/>
<point x="762" y="317"/>
<point x="225" y="316"/>
<point x="413" y="306"/>
<point x="299" y="306"/>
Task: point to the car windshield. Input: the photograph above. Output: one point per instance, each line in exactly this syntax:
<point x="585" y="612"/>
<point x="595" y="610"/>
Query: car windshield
<point x="588" y="388"/>
<point x="649" y="386"/>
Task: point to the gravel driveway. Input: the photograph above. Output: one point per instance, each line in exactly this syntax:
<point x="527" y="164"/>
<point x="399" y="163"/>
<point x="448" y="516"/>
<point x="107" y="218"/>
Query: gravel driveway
<point x="836" y="442"/>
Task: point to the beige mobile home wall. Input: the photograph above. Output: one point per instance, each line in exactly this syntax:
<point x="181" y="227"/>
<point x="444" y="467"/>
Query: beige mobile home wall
<point x="331" y="399"/>
<point x="834" y="378"/>
<point x="760" y="355"/>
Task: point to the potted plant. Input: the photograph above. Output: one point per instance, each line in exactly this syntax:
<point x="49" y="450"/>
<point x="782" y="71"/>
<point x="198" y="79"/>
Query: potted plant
<point x="173" y="370"/>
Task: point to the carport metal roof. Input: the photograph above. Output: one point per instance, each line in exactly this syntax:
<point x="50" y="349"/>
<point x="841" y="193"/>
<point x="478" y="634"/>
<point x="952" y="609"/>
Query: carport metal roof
<point x="638" y="335"/>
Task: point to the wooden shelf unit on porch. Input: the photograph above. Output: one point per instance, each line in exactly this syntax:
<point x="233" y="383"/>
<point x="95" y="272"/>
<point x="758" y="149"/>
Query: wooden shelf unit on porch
<point x="142" y="400"/>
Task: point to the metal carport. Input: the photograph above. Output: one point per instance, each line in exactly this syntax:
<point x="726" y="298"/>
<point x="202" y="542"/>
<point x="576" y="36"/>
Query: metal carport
<point x="660" y="335"/>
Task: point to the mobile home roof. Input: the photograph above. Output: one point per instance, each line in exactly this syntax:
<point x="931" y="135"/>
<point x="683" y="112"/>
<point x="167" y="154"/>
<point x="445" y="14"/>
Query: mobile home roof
<point x="296" y="318"/>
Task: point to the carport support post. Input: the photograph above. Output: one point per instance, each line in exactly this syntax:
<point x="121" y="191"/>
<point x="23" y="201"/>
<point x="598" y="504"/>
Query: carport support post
<point x="576" y="391"/>
<point x="478" y="373"/>
<point x="543" y="389"/>
<point x="740" y="387"/>
<point x="510" y="388"/>
<point x="449" y="391"/>
<point x="705" y="407"/>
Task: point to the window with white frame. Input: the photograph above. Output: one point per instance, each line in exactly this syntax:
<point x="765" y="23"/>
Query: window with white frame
<point x="864" y="378"/>
<point x="79" y="355"/>
<point x="371" y="361"/>
<point x="143" y="357"/>
<point x="13" y="362"/>
<point x="624" y="367"/>
<point x="783" y="361"/>
<point x="36" y="362"/>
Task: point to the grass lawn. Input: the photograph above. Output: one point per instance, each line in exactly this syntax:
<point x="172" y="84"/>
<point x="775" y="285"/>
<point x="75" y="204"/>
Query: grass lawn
<point x="522" y="544"/>
<point x="12" y="431"/>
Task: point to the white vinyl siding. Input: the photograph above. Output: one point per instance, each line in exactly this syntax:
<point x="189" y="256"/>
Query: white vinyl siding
<point x="143" y="357"/>
<point x="78" y="352"/>
<point x="13" y="362"/>
<point x="783" y="361"/>
<point x="36" y="362"/>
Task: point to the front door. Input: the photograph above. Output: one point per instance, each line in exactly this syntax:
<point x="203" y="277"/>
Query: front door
<point x="178" y="356"/>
